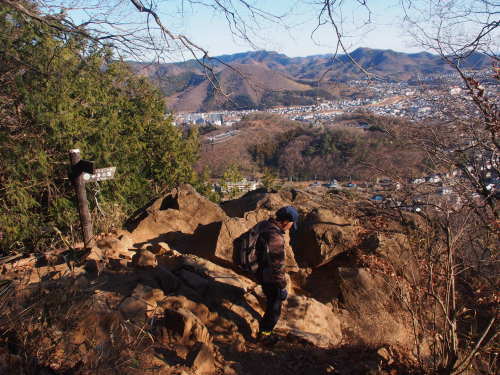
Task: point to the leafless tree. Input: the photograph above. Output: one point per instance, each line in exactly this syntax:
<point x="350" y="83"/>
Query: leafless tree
<point x="149" y="29"/>
<point x="457" y="262"/>
<point x="454" y="29"/>
<point x="137" y="30"/>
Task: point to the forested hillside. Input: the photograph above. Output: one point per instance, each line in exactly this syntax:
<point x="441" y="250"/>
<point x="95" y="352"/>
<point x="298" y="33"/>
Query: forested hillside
<point x="294" y="150"/>
<point x="340" y="152"/>
<point x="59" y="92"/>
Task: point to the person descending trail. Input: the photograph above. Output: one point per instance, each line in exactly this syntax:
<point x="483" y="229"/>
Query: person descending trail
<point x="270" y="249"/>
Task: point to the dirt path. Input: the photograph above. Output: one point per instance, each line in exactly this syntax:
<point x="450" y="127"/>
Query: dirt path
<point x="291" y="357"/>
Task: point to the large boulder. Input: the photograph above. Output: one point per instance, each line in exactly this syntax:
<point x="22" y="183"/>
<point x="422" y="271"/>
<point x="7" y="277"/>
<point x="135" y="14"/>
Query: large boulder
<point x="183" y="219"/>
<point x="396" y="250"/>
<point x="322" y="283"/>
<point x="248" y="202"/>
<point x="311" y="321"/>
<point x="186" y="327"/>
<point x="322" y="236"/>
<point x="232" y="228"/>
<point x="359" y="285"/>
<point x="271" y="201"/>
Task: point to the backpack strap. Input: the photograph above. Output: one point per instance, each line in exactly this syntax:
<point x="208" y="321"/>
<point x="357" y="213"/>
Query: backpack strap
<point x="267" y="255"/>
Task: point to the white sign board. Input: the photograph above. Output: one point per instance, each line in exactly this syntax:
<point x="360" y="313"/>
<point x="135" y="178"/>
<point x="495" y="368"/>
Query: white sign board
<point x="100" y="174"/>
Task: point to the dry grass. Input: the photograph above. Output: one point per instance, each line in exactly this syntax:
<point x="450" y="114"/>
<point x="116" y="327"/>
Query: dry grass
<point x="376" y="319"/>
<point x="63" y="326"/>
<point x="108" y="217"/>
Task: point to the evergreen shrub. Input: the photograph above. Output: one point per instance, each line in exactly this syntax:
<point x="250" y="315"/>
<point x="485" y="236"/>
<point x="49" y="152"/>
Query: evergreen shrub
<point x="59" y="92"/>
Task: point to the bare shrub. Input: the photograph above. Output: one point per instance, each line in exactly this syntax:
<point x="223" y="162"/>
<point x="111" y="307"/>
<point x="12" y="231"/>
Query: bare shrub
<point x="377" y="318"/>
<point x="63" y="325"/>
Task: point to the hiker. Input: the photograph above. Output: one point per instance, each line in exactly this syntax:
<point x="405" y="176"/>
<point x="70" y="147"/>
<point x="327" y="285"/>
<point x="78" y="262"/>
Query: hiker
<point x="270" y="250"/>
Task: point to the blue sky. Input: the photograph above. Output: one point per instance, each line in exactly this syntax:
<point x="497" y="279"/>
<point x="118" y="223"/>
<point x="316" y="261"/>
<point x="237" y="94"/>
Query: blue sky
<point x="293" y="38"/>
<point x="209" y="29"/>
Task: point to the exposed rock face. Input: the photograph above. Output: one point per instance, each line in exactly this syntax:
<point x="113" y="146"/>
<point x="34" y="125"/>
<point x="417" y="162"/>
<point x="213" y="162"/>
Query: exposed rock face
<point x="174" y="275"/>
<point x="248" y="202"/>
<point x="143" y="302"/>
<point x="232" y="228"/>
<point x="207" y="270"/>
<point x="202" y="359"/>
<point x="188" y="328"/>
<point x="322" y="236"/>
<point x="117" y="247"/>
<point x="322" y="283"/>
<point x="144" y="258"/>
<point x="158" y="278"/>
<point x="395" y="248"/>
<point x="371" y="308"/>
<point x="115" y="251"/>
<point x="311" y="321"/>
<point x="95" y="260"/>
<point x="238" y="297"/>
<point x="183" y="219"/>
<point x="241" y="297"/>
<point x="271" y="201"/>
<point x="160" y="248"/>
<point x="359" y="282"/>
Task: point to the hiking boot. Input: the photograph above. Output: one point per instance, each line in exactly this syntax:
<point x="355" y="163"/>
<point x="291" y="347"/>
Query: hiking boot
<point x="267" y="338"/>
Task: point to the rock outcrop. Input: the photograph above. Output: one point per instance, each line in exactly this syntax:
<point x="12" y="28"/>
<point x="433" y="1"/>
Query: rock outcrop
<point x="183" y="219"/>
<point x="323" y="235"/>
<point x="270" y="201"/>
<point x="169" y="286"/>
<point x="312" y="321"/>
<point x="234" y="227"/>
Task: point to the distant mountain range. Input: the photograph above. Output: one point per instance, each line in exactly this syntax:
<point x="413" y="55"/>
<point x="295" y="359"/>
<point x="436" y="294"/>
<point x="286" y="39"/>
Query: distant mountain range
<point x="264" y="78"/>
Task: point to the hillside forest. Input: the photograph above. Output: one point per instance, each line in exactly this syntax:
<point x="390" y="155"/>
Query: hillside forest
<point x="60" y="91"/>
<point x="297" y="151"/>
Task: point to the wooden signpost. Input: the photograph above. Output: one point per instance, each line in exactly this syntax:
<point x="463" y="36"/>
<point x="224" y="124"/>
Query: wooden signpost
<point x="83" y="171"/>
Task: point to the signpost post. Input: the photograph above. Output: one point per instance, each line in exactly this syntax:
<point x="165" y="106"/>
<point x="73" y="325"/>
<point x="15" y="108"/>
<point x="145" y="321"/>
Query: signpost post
<point x="83" y="171"/>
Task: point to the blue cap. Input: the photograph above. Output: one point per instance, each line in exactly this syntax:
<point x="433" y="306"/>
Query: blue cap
<point x="288" y="213"/>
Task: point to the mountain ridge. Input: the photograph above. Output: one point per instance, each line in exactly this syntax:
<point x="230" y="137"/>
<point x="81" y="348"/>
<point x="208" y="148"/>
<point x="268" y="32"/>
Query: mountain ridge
<point x="258" y="79"/>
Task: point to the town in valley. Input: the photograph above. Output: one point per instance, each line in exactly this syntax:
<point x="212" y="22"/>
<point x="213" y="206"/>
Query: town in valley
<point x="426" y="100"/>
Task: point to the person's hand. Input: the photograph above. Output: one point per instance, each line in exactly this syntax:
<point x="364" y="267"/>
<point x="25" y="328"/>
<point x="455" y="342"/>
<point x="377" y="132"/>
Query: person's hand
<point x="283" y="294"/>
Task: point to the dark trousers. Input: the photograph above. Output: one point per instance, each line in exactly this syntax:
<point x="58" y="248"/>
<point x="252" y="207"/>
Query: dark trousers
<point x="273" y="307"/>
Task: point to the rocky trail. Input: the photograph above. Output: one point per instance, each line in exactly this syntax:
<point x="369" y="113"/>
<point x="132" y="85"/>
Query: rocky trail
<point x="162" y="295"/>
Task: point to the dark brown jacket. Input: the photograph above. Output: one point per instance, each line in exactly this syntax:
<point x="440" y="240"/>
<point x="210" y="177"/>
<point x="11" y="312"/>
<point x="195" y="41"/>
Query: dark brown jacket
<point x="272" y="262"/>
